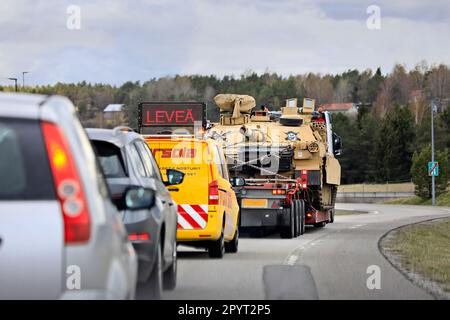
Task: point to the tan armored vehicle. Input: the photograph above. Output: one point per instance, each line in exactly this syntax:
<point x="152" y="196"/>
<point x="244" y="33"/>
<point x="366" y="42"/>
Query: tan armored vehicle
<point x="287" y="159"/>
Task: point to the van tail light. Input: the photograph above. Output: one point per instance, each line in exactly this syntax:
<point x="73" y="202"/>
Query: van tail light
<point x="213" y="196"/>
<point x="77" y="225"/>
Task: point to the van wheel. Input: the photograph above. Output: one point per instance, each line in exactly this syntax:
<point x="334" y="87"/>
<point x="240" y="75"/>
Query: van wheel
<point x="287" y="232"/>
<point x="170" y="276"/>
<point x="154" y="284"/>
<point x="217" y="248"/>
<point x="232" y="246"/>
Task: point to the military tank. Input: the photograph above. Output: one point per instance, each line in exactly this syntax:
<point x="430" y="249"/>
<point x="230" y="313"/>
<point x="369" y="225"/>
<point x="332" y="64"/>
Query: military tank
<point x="287" y="159"/>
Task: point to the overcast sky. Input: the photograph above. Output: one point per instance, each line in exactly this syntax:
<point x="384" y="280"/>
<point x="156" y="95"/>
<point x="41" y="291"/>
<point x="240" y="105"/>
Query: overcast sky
<point x="123" y="40"/>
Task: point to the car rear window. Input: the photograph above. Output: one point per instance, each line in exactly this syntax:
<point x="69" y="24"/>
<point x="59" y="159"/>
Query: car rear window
<point x="110" y="158"/>
<point x="24" y="167"/>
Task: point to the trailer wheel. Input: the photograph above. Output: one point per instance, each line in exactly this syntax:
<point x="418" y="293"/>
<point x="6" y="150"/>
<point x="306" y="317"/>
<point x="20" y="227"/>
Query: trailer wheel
<point x="297" y="217"/>
<point x="303" y="217"/>
<point x="288" y="232"/>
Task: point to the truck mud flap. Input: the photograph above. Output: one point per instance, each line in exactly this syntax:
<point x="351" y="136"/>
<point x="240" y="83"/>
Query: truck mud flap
<point x="259" y="218"/>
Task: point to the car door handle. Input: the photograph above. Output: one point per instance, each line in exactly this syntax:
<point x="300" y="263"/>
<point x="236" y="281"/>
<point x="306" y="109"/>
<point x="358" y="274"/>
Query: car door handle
<point x="174" y="189"/>
<point x="1" y="241"/>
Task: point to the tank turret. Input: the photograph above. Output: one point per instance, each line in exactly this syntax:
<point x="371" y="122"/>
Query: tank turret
<point x="235" y="109"/>
<point x="296" y="142"/>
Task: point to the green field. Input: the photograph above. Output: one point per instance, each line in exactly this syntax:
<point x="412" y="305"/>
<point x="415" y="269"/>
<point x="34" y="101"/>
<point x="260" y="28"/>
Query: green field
<point x="423" y="249"/>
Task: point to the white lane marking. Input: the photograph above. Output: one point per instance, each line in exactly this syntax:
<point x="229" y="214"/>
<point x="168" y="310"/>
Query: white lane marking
<point x="292" y="260"/>
<point x="357" y="226"/>
<point x="375" y="212"/>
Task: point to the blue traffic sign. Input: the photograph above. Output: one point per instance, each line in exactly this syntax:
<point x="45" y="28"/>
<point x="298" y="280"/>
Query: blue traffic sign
<point x="433" y="169"/>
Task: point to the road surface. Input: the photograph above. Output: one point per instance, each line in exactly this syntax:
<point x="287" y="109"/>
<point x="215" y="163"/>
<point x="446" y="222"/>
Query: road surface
<point x="338" y="257"/>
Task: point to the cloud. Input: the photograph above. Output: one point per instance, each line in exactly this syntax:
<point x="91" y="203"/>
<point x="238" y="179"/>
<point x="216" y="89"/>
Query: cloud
<point x="295" y="38"/>
<point x="137" y="40"/>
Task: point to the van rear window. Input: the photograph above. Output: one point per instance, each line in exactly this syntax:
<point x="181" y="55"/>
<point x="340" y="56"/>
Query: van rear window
<point x="24" y="168"/>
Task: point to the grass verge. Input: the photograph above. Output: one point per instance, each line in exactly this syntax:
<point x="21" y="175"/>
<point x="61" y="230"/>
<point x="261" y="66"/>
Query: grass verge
<point x="422" y="249"/>
<point x="442" y="200"/>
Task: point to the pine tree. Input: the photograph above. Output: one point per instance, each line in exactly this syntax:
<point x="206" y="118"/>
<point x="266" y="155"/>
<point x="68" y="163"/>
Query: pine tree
<point x="419" y="172"/>
<point x="394" y="146"/>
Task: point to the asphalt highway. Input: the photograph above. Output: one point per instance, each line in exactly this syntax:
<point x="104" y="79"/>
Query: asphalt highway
<point x="334" y="262"/>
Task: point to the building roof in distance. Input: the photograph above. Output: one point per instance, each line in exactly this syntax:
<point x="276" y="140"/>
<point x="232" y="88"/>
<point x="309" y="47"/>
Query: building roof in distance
<point x="114" y="108"/>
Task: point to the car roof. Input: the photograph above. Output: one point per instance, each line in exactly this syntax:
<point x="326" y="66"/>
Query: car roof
<point x="7" y="98"/>
<point x="116" y="136"/>
<point x="33" y="106"/>
<point x="20" y="105"/>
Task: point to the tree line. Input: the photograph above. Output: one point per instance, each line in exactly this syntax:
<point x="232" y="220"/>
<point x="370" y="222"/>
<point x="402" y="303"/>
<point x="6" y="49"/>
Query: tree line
<point x="392" y="124"/>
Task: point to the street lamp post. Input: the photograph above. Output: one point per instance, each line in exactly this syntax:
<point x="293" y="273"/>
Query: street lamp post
<point x="23" y="78"/>
<point x="433" y="185"/>
<point x="15" y="82"/>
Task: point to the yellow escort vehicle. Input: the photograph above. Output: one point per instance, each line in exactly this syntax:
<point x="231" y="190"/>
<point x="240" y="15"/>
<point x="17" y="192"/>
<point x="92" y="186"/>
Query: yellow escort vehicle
<point x="208" y="212"/>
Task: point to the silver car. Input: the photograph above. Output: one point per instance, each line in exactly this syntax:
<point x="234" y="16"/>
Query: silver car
<point x="61" y="237"/>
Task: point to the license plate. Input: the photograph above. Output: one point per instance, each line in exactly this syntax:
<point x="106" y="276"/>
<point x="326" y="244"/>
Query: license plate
<point x="254" y="203"/>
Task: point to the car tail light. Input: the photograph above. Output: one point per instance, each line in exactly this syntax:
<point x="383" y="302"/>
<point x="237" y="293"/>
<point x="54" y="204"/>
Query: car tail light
<point x="77" y="226"/>
<point x="213" y="196"/>
<point x="304" y="179"/>
<point x="139" y="237"/>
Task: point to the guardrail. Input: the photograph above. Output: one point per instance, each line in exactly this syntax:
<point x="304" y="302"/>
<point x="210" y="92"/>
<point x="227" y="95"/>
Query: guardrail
<point x="371" y="196"/>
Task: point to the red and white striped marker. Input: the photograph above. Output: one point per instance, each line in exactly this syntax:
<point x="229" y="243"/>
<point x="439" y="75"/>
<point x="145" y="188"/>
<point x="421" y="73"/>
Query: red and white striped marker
<point x="192" y="217"/>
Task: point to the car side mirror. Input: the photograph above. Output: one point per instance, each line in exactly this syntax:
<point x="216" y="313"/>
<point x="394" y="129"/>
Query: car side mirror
<point x="237" y="182"/>
<point x="174" y="177"/>
<point x="138" y="198"/>
<point x="337" y="145"/>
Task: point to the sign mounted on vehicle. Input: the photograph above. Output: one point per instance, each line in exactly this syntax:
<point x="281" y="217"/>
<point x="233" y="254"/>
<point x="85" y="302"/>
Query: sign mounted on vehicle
<point x="166" y="116"/>
<point x="254" y="203"/>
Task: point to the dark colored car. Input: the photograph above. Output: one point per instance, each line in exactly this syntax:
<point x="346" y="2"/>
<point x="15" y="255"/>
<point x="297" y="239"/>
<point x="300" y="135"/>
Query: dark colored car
<point x="128" y="162"/>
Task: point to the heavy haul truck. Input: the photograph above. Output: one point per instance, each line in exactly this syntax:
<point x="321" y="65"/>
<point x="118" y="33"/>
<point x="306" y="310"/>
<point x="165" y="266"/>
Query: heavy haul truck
<point x="288" y="160"/>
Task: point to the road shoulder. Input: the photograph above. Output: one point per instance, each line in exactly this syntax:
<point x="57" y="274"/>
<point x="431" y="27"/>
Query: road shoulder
<point x="411" y="248"/>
